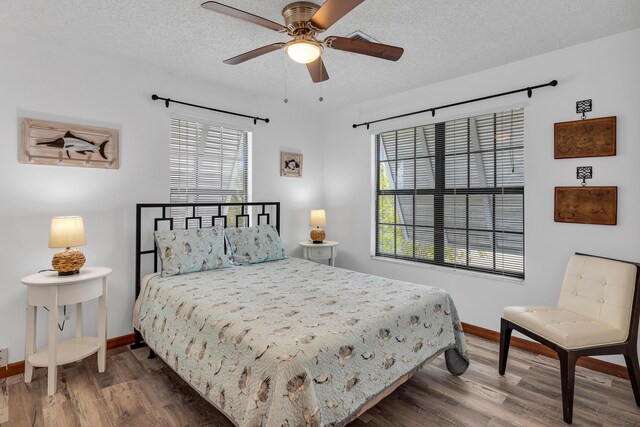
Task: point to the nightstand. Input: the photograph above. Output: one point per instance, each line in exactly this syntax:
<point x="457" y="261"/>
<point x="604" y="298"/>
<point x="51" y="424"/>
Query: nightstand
<point x="325" y="250"/>
<point x="50" y="290"/>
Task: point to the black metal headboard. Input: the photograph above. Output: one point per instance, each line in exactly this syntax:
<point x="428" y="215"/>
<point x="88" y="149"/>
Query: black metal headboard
<point x="184" y="215"/>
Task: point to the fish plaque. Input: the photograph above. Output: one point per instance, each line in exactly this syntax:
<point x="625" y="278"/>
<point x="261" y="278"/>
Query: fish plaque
<point x="46" y="142"/>
<point x="290" y="164"/>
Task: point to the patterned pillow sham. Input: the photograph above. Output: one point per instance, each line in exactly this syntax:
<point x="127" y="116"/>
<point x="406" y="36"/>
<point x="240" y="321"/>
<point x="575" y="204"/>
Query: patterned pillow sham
<point x="250" y="245"/>
<point x="194" y="249"/>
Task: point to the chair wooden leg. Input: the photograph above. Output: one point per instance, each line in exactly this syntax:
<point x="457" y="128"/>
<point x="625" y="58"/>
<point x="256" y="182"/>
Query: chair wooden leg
<point x="505" y="339"/>
<point x="634" y="371"/>
<point x="567" y="377"/>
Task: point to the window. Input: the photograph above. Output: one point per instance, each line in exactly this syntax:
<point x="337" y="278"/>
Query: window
<point x="209" y="163"/>
<point x="452" y="193"/>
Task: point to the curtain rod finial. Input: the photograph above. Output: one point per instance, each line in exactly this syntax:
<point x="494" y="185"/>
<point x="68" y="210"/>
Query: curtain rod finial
<point x="355" y="125"/>
<point x="266" y="120"/>
<point x="154" y="97"/>
<point x="554" y="83"/>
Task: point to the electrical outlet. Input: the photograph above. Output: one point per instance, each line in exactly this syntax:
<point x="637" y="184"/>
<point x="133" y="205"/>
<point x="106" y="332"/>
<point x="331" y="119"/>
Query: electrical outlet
<point x="4" y="357"/>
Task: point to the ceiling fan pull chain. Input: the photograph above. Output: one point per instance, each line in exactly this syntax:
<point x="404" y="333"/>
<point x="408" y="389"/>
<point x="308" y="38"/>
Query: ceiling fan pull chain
<point x="284" y="59"/>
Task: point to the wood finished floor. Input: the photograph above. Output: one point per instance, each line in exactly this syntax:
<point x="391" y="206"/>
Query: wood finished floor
<point x="139" y="392"/>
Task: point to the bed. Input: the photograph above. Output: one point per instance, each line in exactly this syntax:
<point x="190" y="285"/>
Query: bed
<point x="291" y="342"/>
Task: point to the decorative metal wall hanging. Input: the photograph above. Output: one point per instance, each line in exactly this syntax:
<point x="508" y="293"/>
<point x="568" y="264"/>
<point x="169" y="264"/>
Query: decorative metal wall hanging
<point x="46" y="142"/>
<point x="290" y="164"/>
<point x="584" y="173"/>
<point x="583" y="107"/>
<point x="585" y="138"/>
<point x="586" y="205"/>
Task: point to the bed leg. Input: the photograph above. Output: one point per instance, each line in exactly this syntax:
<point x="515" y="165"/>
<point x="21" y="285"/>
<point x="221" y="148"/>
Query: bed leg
<point x="152" y="354"/>
<point x="138" y="342"/>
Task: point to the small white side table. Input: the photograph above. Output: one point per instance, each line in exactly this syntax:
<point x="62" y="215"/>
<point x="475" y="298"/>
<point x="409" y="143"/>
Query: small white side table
<point x="325" y="250"/>
<point x="50" y="290"/>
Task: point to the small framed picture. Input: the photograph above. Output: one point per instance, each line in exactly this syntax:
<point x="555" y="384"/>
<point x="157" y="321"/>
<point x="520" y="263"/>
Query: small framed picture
<point x="290" y="164"/>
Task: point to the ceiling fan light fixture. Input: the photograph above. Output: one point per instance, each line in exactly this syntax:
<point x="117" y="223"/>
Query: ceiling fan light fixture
<point x="303" y="51"/>
<point x="304" y="21"/>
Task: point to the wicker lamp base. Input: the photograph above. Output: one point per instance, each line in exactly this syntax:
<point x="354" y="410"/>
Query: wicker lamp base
<point x="317" y="235"/>
<point x="68" y="261"/>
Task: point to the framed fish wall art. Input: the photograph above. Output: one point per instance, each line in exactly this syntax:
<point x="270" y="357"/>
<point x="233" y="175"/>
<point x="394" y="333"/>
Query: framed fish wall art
<point x="290" y="164"/>
<point x="46" y="142"/>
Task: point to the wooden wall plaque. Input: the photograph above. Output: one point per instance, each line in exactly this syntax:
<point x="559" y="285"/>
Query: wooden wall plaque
<point x="586" y="205"/>
<point x="585" y="138"/>
<point x="45" y="142"/>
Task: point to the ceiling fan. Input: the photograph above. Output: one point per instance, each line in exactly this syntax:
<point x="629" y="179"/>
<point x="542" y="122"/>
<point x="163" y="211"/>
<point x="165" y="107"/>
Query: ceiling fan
<point x="304" y="21"/>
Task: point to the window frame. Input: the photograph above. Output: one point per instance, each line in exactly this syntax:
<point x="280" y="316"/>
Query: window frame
<point x="191" y="191"/>
<point x="439" y="191"/>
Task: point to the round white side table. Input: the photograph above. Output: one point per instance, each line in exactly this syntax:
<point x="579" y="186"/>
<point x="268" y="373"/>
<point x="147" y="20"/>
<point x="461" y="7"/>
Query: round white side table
<point x="50" y="290"/>
<point x="325" y="250"/>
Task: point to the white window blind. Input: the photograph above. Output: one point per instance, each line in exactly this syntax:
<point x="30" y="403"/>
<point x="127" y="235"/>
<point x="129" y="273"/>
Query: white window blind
<point x="209" y="163"/>
<point x="452" y="193"/>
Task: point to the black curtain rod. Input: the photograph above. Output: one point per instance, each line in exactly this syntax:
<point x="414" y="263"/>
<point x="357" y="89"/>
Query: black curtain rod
<point x="529" y="91"/>
<point x="168" y="100"/>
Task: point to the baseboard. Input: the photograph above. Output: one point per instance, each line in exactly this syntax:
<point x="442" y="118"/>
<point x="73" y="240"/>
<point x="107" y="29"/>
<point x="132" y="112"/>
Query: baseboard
<point x="12" y="369"/>
<point x="18" y="367"/>
<point x="120" y="341"/>
<point x="537" y="348"/>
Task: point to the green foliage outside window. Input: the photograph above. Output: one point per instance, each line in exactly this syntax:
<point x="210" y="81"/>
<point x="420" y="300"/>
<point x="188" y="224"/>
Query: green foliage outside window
<point x="234" y="211"/>
<point x="391" y="239"/>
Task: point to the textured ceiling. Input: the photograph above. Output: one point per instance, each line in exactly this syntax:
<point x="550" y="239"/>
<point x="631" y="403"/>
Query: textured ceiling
<point x="442" y="39"/>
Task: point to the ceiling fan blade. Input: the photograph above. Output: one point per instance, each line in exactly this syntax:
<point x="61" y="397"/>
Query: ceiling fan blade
<point x="378" y="50"/>
<point x="245" y="16"/>
<point x="254" y="53"/>
<point x="331" y="12"/>
<point x="317" y="71"/>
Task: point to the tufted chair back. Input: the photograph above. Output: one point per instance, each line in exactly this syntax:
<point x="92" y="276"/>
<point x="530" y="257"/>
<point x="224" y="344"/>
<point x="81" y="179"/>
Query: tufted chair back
<point x="600" y="289"/>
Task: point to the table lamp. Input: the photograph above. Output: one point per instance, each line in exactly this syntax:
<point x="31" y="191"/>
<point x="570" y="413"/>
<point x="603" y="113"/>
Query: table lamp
<point x="317" y="219"/>
<point x="67" y="231"/>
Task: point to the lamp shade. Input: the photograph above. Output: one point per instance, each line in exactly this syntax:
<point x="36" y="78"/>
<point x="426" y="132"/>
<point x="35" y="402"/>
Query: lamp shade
<point x="317" y="218"/>
<point x="66" y="231"/>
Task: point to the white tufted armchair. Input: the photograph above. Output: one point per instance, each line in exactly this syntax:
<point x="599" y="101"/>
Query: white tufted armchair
<point x="597" y="314"/>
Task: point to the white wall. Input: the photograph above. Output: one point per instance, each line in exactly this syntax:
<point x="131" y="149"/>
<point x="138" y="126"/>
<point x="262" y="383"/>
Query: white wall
<point x="605" y="70"/>
<point x="41" y="80"/>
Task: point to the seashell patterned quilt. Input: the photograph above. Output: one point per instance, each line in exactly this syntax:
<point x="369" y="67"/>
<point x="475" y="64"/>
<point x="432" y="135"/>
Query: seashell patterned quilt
<point x="296" y="343"/>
